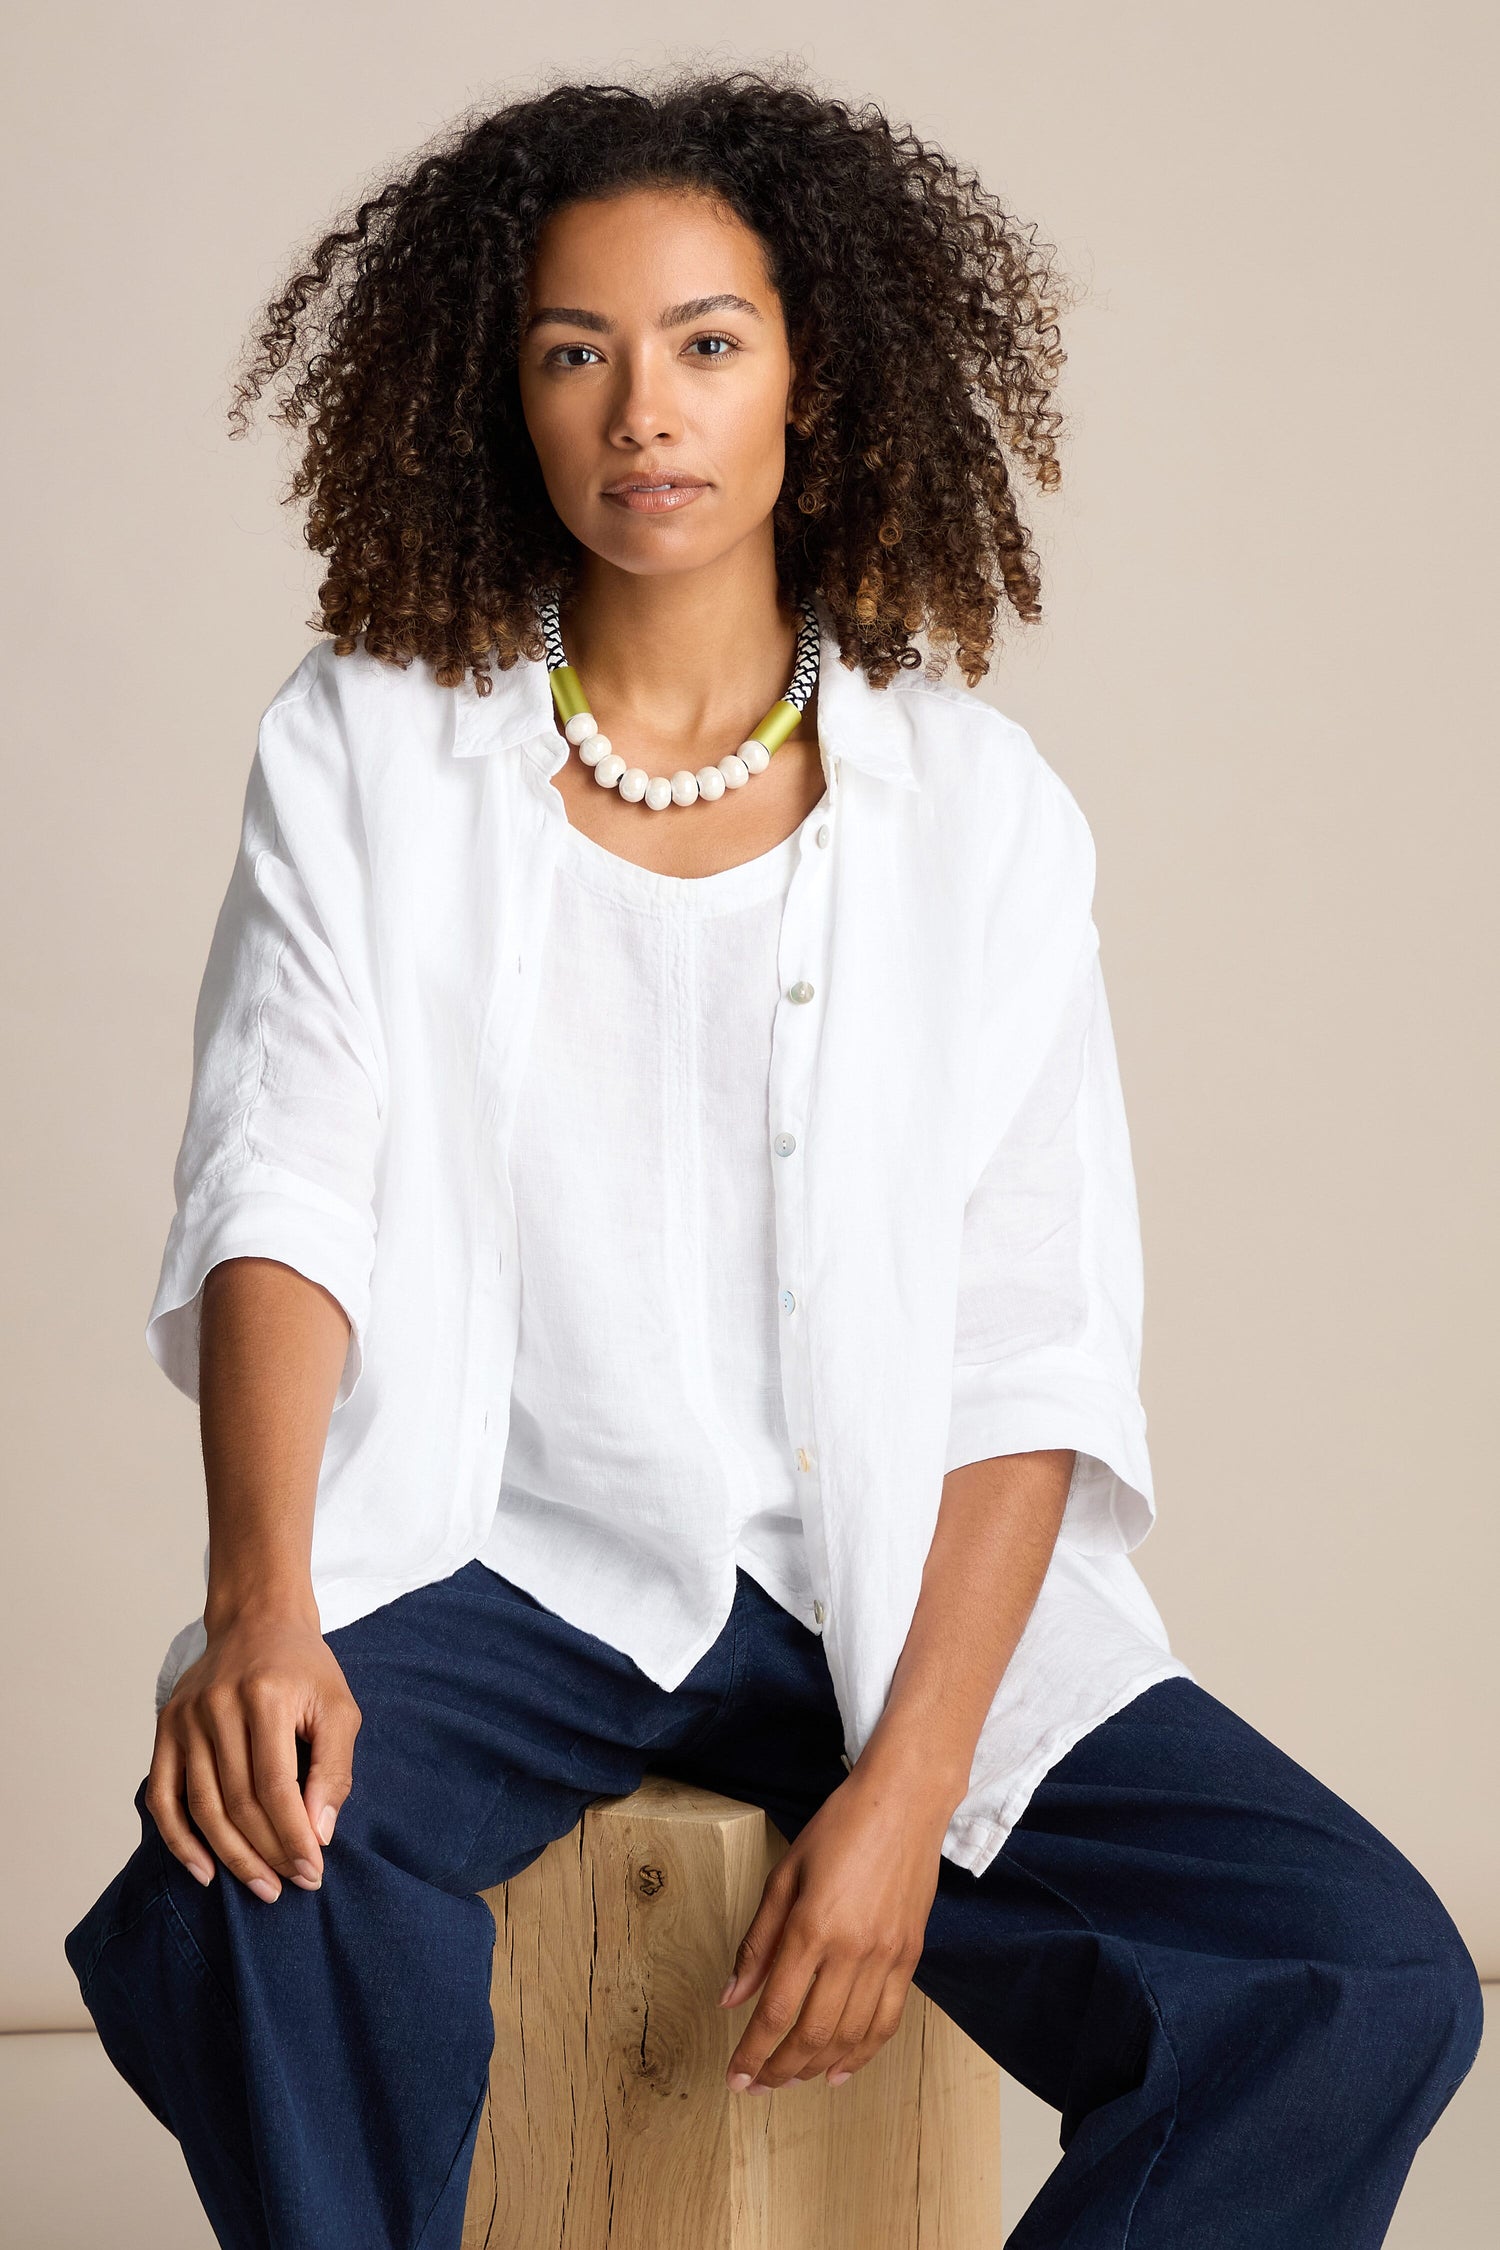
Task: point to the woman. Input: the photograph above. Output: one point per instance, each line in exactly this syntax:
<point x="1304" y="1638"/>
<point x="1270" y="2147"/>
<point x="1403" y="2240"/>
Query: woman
<point x="656" y="1248"/>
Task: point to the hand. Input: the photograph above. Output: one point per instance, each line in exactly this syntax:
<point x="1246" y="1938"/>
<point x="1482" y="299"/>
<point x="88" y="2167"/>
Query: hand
<point x="228" y="1741"/>
<point x="838" y="1933"/>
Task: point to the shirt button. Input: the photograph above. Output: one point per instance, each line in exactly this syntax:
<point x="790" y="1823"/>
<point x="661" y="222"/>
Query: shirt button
<point x="785" y="1143"/>
<point x="847" y="1761"/>
<point x="803" y="1461"/>
<point x="802" y="990"/>
<point x="819" y="1612"/>
<point x="823" y="833"/>
<point x="788" y="1301"/>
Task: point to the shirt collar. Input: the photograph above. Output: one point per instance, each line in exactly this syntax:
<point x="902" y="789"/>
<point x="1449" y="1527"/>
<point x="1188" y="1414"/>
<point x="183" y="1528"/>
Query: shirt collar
<point x="863" y="726"/>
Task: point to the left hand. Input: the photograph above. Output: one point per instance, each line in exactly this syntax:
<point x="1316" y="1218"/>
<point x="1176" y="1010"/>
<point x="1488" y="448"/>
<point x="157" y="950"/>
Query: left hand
<point x="838" y="1933"/>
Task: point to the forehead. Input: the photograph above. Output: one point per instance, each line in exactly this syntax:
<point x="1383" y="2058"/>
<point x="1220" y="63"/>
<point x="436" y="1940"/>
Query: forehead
<point x="679" y="241"/>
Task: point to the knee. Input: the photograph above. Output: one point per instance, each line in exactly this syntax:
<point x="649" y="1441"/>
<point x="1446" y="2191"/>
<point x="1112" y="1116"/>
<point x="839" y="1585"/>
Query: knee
<point x="1430" y="1997"/>
<point x="117" y="1944"/>
<point x="1456" y="1999"/>
<point x="123" y="1905"/>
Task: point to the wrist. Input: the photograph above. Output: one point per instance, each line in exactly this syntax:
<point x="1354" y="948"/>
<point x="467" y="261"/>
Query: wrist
<point x="264" y="1600"/>
<point x="910" y="1774"/>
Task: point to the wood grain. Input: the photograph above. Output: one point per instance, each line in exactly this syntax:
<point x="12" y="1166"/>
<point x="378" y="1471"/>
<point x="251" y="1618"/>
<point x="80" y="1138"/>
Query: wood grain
<point x="608" y="2124"/>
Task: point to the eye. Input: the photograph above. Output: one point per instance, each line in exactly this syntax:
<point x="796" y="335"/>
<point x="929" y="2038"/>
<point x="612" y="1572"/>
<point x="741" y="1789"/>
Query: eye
<point x="555" y="356"/>
<point x="731" y="346"/>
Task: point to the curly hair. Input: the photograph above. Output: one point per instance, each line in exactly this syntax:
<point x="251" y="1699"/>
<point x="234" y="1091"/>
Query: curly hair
<point x="922" y="321"/>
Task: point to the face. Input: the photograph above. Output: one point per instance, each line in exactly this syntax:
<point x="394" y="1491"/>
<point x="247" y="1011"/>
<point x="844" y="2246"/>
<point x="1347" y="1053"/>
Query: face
<point x="656" y="378"/>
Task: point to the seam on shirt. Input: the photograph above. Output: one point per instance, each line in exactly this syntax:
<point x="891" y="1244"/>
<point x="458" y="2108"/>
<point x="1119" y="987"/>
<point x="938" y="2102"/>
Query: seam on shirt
<point x="267" y="992"/>
<point x="961" y="698"/>
<point x="1087" y="1153"/>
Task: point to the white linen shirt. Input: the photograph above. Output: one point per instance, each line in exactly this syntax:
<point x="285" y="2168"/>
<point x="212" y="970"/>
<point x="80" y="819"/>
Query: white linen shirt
<point x="648" y="1451"/>
<point x="958" y="1246"/>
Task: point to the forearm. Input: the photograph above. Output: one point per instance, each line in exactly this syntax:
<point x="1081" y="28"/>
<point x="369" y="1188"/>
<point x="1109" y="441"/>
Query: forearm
<point x="225" y="1768"/>
<point x="996" y="1530"/>
<point x="272" y="1349"/>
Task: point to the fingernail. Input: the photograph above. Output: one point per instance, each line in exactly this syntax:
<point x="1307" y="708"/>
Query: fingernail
<point x="326" y="1819"/>
<point x="724" y="1995"/>
<point x="757" y="2088"/>
<point x="270" y="1892"/>
<point x="739" y="2081"/>
<point x="837" y="2077"/>
<point x="204" y="1874"/>
<point x="307" y="1874"/>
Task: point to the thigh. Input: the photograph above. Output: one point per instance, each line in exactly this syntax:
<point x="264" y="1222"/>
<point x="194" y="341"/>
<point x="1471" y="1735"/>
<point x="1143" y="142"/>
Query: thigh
<point x="1172" y="1872"/>
<point x="489" y="1722"/>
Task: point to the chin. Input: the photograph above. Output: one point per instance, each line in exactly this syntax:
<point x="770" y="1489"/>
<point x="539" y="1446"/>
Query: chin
<point x="657" y="557"/>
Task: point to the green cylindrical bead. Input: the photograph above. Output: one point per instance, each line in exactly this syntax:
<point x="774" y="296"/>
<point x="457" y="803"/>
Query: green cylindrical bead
<point x="780" y="721"/>
<point x="567" y="693"/>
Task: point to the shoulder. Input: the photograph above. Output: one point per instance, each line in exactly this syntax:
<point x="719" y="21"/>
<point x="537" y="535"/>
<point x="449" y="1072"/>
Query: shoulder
<point x="358" y="692"/>
<point x="352" y="723"/>
<point x="985" y="772"/>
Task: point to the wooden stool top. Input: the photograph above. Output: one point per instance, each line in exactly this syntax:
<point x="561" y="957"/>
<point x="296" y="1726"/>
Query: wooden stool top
<point x="609" y="2125"/>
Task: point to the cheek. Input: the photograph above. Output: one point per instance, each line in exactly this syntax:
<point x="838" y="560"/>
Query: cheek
<point x="542" y="425"/>
<point x="749" y="439"/>
<point x="555" y="443"/>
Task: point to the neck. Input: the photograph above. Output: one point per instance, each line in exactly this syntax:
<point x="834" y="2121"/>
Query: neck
<point x="682" y="656"/>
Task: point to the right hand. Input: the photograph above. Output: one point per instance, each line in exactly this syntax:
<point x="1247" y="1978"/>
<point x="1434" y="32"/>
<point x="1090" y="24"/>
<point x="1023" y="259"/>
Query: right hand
<point x="227" y="1742"/>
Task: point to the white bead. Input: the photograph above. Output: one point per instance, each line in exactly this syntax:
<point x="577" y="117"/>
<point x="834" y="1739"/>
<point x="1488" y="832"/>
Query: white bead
<point x="684" y="787"/>
<point x="710" y="783"/>
<point x="632" y="784"/>
<point x="608" y="770"/>
<point x="756" y="756"/>
<point x="658" y="792"/>
<point x="594" y="747"/>
<point x="580" y="727"/>
<point x="734" y="769"/>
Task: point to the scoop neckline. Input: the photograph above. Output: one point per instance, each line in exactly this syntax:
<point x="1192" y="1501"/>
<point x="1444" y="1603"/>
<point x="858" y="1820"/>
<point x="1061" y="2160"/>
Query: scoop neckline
<point x="747" y="880"/>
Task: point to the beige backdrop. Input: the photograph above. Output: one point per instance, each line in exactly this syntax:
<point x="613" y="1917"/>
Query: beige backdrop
<point x="1262" y="674"/>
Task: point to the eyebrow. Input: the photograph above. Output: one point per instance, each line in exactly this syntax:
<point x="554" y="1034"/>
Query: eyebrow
<point x="675" y="316"/>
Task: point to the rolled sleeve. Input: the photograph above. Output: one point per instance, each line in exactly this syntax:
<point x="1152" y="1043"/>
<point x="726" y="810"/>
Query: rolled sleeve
<point x="259" y="1212"/>
<point x="279" y="1152"/>
<point x="1048" y="1333"/>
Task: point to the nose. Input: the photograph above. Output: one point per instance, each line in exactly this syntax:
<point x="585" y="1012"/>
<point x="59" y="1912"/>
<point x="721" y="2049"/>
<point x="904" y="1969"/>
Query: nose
<point x="643" y="408"/>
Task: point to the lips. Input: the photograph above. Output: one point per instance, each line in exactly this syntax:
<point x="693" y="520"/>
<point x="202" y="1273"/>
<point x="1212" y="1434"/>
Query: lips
<point x="652" y="484"/>
<point x="647" y="496"/>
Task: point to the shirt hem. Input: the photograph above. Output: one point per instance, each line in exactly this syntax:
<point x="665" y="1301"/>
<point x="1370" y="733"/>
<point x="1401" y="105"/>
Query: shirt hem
<point x="974" y="1839"/>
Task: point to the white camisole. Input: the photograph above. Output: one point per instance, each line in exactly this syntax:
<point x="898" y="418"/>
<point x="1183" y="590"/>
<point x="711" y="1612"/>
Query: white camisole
<point x="648" y="1441"/>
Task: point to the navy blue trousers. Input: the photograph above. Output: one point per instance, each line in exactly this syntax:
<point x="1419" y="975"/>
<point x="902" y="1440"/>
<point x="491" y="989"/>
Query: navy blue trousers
<point x="1247" y="2006"/>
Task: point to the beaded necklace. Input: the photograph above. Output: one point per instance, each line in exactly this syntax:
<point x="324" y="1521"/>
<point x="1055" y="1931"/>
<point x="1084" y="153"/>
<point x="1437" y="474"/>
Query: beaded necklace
<point x="732" y="771"/>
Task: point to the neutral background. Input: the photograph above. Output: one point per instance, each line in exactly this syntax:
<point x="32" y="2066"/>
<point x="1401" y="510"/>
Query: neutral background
<point x="1266" y="672"/>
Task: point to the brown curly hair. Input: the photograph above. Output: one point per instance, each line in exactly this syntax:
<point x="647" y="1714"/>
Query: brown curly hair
<point x="922" y="321"/>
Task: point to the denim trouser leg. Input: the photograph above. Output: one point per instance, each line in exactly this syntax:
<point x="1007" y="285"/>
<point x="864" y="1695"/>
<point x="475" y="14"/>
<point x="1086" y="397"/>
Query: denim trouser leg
<point x="323" y="2059"/>
<point x="1246" y="2005"/>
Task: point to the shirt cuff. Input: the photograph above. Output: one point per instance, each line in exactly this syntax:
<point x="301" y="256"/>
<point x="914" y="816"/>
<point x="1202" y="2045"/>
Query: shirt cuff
<point x="1034" y="1405"/>
<point x="260" y="1211"/>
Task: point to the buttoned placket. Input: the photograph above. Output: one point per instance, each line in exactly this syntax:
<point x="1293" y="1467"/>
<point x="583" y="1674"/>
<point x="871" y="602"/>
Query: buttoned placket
<point x="801" y="965"/>
<point x="802" y="956"/>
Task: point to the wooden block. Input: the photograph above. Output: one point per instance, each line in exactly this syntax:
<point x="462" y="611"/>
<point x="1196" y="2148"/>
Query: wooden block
<point x="609" y="2126"/>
